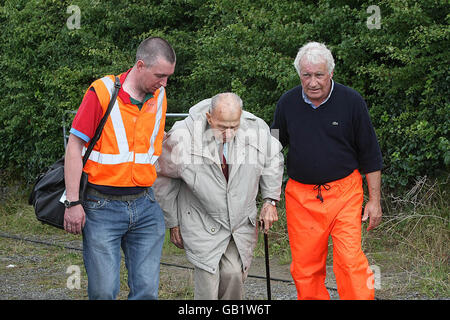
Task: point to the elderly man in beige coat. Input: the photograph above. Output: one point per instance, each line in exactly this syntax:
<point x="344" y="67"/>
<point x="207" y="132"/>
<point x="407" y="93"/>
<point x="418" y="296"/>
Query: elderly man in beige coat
<point x="212" y="165"/>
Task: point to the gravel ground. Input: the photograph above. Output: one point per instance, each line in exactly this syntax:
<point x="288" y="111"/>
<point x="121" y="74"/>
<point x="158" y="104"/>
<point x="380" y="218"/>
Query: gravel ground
<point x="27" y="275"/>
<point x="256" y="289"/>
<point x="32" y="271"/>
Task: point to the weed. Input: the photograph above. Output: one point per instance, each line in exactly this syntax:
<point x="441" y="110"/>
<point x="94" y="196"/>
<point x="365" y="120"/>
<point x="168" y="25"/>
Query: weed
<point x="410" y="247"/>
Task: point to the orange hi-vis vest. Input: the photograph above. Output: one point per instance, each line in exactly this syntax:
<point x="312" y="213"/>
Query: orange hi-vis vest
<point x="131" y="140"/>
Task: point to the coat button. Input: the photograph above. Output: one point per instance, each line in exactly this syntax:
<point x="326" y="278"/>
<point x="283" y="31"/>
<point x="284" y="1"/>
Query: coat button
<point x="213" y="229"/>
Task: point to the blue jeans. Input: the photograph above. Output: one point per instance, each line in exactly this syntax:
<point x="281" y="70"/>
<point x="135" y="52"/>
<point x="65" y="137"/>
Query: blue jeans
<point x="138" y="227"/>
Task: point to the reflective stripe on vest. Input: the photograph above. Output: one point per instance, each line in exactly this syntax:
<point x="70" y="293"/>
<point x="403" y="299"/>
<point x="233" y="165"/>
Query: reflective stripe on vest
<point x="149" y="157"/>
<point x="125" y="155"/>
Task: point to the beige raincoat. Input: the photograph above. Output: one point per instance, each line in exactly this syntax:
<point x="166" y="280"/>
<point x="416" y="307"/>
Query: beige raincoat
<point x="194" y="194"/>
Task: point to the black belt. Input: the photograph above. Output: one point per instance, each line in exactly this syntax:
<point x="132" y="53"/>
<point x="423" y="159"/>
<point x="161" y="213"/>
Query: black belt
<point x="125" y="197"/>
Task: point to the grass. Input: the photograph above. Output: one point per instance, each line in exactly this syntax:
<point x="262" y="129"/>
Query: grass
<point x="413" y="239"/>
<point x="410" y="248"/>
<point x="44" y="267"/>
<point x="277" y="237"/>
<point x="37" y="269"/>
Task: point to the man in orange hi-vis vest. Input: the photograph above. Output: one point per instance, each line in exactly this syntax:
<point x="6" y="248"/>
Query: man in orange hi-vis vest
<point x="119" y="209"/>
<point x="331" y="140"/>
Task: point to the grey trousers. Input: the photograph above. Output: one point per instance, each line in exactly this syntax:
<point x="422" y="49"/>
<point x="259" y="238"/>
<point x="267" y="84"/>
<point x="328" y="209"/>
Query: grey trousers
<point x="228" y="281"/>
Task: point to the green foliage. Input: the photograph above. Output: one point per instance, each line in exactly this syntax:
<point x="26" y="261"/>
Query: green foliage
<point x="243" y="46"/>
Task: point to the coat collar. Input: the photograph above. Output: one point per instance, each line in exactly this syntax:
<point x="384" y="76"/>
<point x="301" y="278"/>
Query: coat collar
<point x="246" y="140"/>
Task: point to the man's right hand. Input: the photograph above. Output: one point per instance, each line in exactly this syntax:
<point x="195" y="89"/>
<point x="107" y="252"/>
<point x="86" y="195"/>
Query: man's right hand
<point x="175" y="237"/>
<point x="74" y="219"/>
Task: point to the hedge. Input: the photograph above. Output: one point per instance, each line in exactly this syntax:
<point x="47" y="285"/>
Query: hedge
<point x="401" y="66"/>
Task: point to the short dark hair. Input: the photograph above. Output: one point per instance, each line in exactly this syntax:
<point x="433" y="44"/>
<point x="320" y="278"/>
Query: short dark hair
<point x="153" y="48"/>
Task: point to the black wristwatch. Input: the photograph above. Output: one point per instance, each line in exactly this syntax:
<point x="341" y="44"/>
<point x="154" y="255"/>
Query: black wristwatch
<point x="69" y="204"/>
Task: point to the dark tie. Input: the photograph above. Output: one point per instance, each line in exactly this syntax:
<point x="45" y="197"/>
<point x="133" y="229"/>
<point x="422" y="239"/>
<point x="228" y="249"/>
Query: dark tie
<point x="224" y="166"/>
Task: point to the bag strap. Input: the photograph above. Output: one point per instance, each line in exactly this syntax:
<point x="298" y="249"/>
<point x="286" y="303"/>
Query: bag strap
<point x="99" y="130"/>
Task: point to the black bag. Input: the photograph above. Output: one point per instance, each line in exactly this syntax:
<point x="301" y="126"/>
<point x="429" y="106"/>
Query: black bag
<point x="50" y="186"/>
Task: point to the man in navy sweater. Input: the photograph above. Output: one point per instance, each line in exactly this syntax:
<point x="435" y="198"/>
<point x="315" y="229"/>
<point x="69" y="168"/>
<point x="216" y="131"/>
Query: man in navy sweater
<point x="331" y="141"/>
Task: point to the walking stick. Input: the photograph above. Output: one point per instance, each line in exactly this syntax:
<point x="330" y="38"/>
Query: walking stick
<point x="266" y="253"/>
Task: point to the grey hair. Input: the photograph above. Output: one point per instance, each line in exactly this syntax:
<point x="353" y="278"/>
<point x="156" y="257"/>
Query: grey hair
<point x="230" y="96"/>
<point x="314" y="52"/>
<point x="153" y="48"/>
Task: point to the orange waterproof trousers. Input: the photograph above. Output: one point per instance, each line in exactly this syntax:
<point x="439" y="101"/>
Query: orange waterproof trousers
<point x="311" y="221"/>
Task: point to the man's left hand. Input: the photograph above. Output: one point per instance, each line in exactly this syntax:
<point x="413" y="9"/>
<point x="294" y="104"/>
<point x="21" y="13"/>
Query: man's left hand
<point x="268" y="216"/>
<point x="374" y="213"/>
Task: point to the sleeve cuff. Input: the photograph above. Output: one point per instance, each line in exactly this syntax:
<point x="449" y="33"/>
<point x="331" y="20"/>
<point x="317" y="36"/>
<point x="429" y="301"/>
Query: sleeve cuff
<point x="80" y="135"/>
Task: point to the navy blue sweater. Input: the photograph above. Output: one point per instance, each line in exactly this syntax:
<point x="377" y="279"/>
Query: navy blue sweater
<point x="330" y="142"/>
